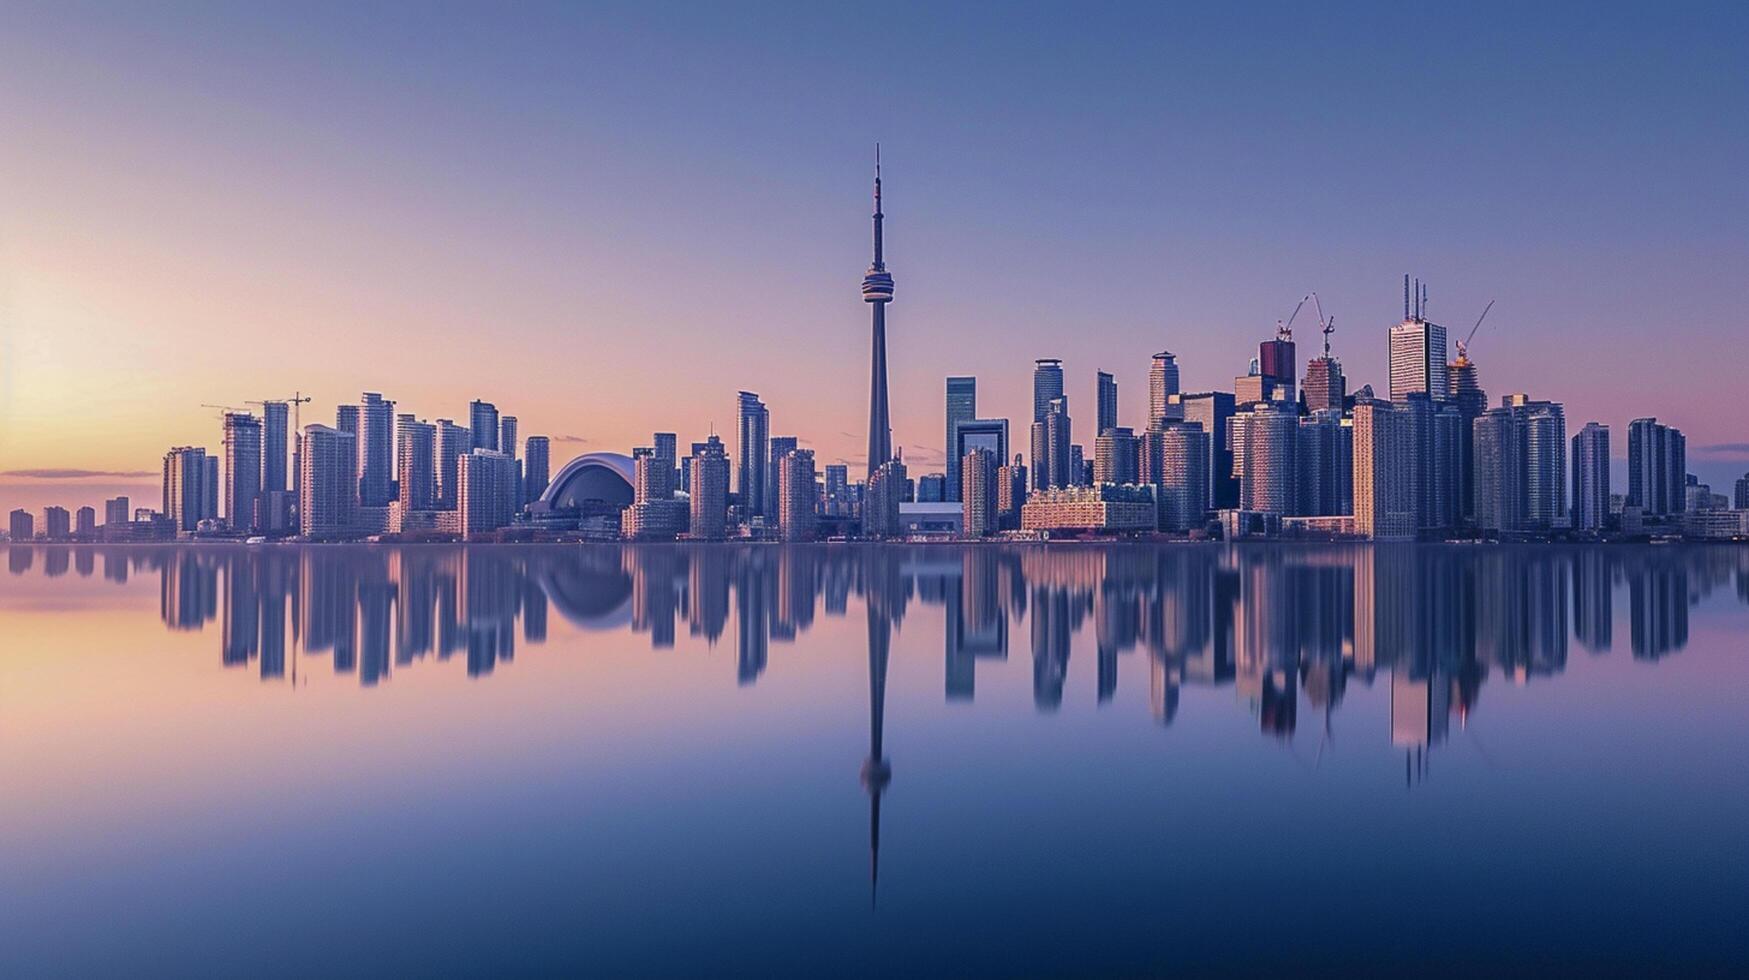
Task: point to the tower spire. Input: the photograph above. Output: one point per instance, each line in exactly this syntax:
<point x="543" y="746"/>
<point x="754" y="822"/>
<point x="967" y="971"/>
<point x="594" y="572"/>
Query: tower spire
<point x="879" y="262"/>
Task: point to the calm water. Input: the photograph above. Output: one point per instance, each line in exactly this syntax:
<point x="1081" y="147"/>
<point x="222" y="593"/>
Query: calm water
<point x="866" y="760"/>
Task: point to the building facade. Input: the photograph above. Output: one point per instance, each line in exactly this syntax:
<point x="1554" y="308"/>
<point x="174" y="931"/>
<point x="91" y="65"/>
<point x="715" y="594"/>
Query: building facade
<point x="1591" y="478"/>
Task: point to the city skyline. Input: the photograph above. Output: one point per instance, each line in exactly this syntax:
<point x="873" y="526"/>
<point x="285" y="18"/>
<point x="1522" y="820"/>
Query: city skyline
<point x="118" y="324"/>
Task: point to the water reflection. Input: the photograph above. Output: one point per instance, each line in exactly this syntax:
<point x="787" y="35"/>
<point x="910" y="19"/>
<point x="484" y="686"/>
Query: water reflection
<point x="1277" y="624"/>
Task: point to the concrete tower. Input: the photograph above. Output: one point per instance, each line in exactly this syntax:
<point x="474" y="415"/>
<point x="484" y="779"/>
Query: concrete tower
<point x="877" y="288"/>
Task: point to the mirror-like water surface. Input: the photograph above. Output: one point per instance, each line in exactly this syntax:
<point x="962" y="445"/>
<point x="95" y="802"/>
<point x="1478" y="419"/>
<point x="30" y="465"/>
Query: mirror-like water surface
<point x="870" y="759"/>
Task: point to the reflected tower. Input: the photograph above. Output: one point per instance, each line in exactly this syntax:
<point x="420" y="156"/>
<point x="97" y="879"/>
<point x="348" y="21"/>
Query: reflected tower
<point x="877" y="288"/>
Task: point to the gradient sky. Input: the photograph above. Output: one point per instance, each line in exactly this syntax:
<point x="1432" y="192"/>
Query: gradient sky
<point x="609" y="218"/>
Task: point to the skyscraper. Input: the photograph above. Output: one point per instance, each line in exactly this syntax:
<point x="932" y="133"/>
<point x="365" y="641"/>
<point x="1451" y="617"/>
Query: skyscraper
<point x="1431" y="428"/>
<point x="21" y="526"/>
<point x="709" y="481"/>
<point x="667" y="446"/>
<point x="376" y="464"/>
<point x="778" y="447"/>
<point x="346" y="419"/>
<point x="483" y="420"/>
<point x="1325" y="457"/>
<point x="1278" y="363"/>
<point x="1011" y="492"/>
<point x="877" y="288"/>
<point x="1384" y="502"/>
<point x="1047" y="386"/>
<point x="1325" y="388"/>
<point x="416" y="463"/>
<point x="185" y="487"/>
<point x="880" y="502"/>
<point x="1466" y="392"/>
<point x="453" y="442"/>
<point x="1498" y="472"/>
<point x="1271" y="436"/>
<point x="485" y="492"/>
<point x="1591" y="477"/>
<point x="209" y="498"/>
<point x="1107" y="406"/>
<point x="330" y="480"/>
<point x="1418" y="352"/>
<point x="1544" y="443"/>
<point x="507" y="435"/>
<point x="1059" y="461"/>
<point x="273" y="446"/>
<point x="1115" y="456"/>
<point x="978" y="493"/>
<point x="1213" y="410"/>
<point x="962" y="406"/>
<point x="1657" y="468"/>
<point x="753" y="425"/>
<point x="1175" y="461"/>
<point x="116" y="510"/>
<point x="1162" y="385"/>
<point x="796" y="492"/>
<point x="537" y="467"/>
<point x="242" y="469"/>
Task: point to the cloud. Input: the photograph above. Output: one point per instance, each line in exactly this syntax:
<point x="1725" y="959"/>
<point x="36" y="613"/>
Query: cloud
<point x="569" y="439"/>
<point x="1727" y="448"/>
<point x="54" y="474"/>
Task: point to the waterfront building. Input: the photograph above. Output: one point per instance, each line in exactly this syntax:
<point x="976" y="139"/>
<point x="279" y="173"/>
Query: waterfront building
<point x="1384" y="502"/>
<point x="1115" y="456"/>
<point x="210" y="488"/>
<point x="1058" y="462"/>
<point x="273" y="446"/>
<point x="962" y="407"/>
<point x="21" y="527"/>
<point x="1740" y="496"/>
<point x="778" y="447"/>
<point x="116" y="510"/>
<point x="1271" y="434"/>
<point x="970" y="434"/>
<point x="1011" y="490"/>
<point x="85" y="522"/>
<point x="326" y="499"/>
<point x="507" y="435"/>
<point x="536" y="467"/>
<point x="753" y="430"/>
<point x="1213" y="410"/>
<point x="1544" y="450"/>
<point x="453" y="442"/>
<point x="1498" y="471"/>
<point x="1657" y="468"/>
<point x="797" y="494"/>
<point x="709" y="483"/>
<point x="415" y="463"/>
<point x="880" y="507"/>
<point x="837" y="491"/>
<point x="376" y="465"/>
<point x="1325" y="457"/>
<point x="1162" y="390"/>
<point x="1106" y="403"/>
<point x="1174" y="461"/>
<point x="1106" y="507"/>
<point x="483" y="423"/>
<point x="242" y="469"/>
<point x="978" y="493"/>
<point x="185" y="487"/>
<point x="57" y="524"/>
<point x="1434" y="445"/>
<point x="932" y="489"/>
<point x="1591" y="478"/>
<point x="485" y="492"/>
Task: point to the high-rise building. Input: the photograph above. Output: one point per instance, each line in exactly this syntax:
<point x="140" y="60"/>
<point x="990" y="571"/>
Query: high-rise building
<point x="57" y="525"/>
<point x="273" y="446"/>
<point x="1060" y="466"/>
<point x="21" y="526"/>
<point x="880" y="504"/>
<point x="346" y="419"/>
<point x="415" y="463"/>
<point x="117" y="510"/>
<point x="1471" y="401"/>
<point x="1384" y="502"/>
<point x="877" y="289"/>
<point x="837" y="490"/>
<point x="1107" y="404"/>
<point x="753" y="425"/>
<point x="1271" y="433"/>
<point x="507" y="435"/>
<point x="1325" y="457"/>
<point x="709" y="481"/>
<point x="242" y="469"/>
<point x="1278" y="364"/>
<point x="1498" y="471"/>
<point x="1434" y="446"/>
<point x="932" y="488"/>
<point x="1047" y="386"/>
<point x="1657" y="468"/>
<point x="970" y="434"/>
<point x="1213" y="410"/>
<point x="537" y="467"/>
<point x="483" y="421"/>
<point x="1115" y="456"/>
<point x="1591" y="477"/>
<point x="797" y="492"/>
<point x="185" y="487"/>
<point x="962" y="406"/>
<point x="210" y="488"/>
<point x="1544" y="442"/>
<point x="1325" y="388"/>
<point x="978" y="493"/>
<point x="1418" y="352"/>
<point x="1740" y="493"/>
<point x="453" y="442"/>
<point x="85" y="522"/>
<point x="1162" y="386"/>
<point x="1011" y="488"/>
<point x="778" y="447"/>
<point x="485" y="492"/>
<point x="330" y="480"/>
<point x="1174" y="461"/>
<point x="667" y="446"/>
<point x="376" y="463"/>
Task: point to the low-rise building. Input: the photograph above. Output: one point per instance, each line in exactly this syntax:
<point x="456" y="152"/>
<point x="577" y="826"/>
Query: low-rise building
<point x="1106" y="507"/>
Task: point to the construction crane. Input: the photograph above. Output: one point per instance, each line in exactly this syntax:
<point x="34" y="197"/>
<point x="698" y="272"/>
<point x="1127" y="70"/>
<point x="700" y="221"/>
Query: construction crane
<point x="1326" y="325"/>
<point x="1285" y="331"/>
<point x="1463" y="346"/>
<point x="223" y="410"/>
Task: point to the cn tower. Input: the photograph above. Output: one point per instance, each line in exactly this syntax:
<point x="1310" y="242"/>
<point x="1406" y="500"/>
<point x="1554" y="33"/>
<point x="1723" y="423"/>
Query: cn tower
<point x="877" y="288"/>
